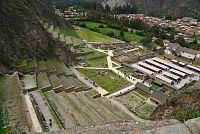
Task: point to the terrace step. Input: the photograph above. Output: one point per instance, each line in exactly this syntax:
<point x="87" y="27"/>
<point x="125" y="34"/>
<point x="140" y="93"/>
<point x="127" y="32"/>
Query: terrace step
<point x="43" y="82"/>
<point x="115" y="110"/>
<point x="86" y="109"/>
<point x="62" y="111"/>
<point x="82" y="119"/>
<point x="45" y="110"/>
<point x="101" y="110"/>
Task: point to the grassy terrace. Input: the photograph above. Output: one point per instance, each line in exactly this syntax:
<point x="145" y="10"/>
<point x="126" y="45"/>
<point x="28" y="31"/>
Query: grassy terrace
<point x="107" y="80"/>
<point x="64" y="81"/>
<point x="57" y="66"/>
<point x="67" y="32"/>
<point x="32" y="63"/>
<point x="41" y="65"/>
<point x="50" y="66"/>
<point x="91" y="36"/>
<point x="23" y="63"/>
<point x="91" y="93"/>
<point x="105" y="30"/>
<point x="42" y="80"/>
<point x="11" y="99"/>
<point x="54" y="80"/>
<point x="99" y="62"/>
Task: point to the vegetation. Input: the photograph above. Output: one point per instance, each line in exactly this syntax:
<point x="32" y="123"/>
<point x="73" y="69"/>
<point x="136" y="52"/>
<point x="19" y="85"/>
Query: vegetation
<point x="91" y="36"/>
<point x="2" y="130"/>
<point x="68" y="32"/>
<point x="141" y="93"/>
<point x="112" y="32"/>
<point x="106" y="79"/>
<point x="42" y="80"/>
<point x="31" y="63"/>
<point x="184" y="115"/>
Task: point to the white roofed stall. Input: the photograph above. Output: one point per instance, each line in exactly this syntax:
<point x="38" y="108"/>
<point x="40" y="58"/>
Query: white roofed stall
<point x="156" y="64"/>
<point x="181" y="63"/>
<point x="142" y="69"/>
<point x="178" y="72"/>
<point x="163" y="78"/>
<point x="175" y="61"/>
<point x="173" y="66"/>
<point x="194" y="68"/>
<point x="171" y="76"/>
<point x="152" y="68"/>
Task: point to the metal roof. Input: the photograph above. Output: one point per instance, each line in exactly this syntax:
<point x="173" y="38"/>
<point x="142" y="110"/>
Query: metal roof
<point x="156" y="64"/>
<point x="173" y="66"/>
<point x="149" y="66"/>
<point x="193" y="67"/>
<point x="178" y="72"/>
<point x="171" y="75"/>
<point x="142" y="69"/>
<point x="163" y="78"/>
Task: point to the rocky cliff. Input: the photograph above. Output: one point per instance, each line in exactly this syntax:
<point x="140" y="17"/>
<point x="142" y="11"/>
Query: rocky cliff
<point x="23" y="37"/>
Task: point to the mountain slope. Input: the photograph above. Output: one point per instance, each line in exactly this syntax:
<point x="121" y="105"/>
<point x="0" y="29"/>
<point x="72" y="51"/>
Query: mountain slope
<point x="161" y="7"/>
<point x="22" y="36"/>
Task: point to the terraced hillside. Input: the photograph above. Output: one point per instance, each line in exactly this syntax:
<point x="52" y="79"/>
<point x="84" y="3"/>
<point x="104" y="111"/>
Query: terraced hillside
<point x="12" y="103"/>
<point x="24" y="37"/>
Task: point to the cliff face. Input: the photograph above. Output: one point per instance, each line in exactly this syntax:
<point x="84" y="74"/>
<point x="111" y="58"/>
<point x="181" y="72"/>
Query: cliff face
<point x="22" y="36"/>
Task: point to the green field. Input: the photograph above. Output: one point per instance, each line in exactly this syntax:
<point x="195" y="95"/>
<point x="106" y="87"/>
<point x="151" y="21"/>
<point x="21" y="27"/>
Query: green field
<point x="107" y="80"/>
<point x="105" y="30"/>
<point x="67" y="32"/>
<point x="91" y="36"/>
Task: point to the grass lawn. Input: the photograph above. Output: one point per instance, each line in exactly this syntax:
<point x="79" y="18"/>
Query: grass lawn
<point x="91" y="36"/>
<point x="94" y="54"/>
<point x="107" y="80"/>
<point x="99" y="62"/>
<point x="141" y="92"/>
<point x="126" y="70"/>
<point x="105" y="30"/>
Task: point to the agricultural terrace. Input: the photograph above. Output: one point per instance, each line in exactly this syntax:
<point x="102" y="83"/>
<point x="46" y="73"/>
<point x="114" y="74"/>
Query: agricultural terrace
<point x="91" y="36"/>
<point x="32" y="63"/>
<point x="104" y="29"/>
<point x="12" y="102"/>
<point x="42" y="80"/>
<point x="106" y="79"/>
<point x="95" y="58"/>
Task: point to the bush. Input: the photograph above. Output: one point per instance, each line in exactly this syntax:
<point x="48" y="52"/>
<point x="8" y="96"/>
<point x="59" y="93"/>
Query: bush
<point x="184" y="115"/>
